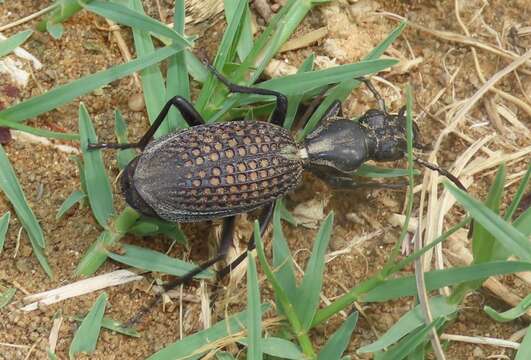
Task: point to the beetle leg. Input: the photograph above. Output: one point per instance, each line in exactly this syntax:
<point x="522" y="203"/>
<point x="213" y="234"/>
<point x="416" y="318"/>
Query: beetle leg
<point x="226" y="240"/>
<point x="187" y="110"/>
<point x="346" y="183"/>
<point x="279" y="114"/>
<point x="264" y="220"/>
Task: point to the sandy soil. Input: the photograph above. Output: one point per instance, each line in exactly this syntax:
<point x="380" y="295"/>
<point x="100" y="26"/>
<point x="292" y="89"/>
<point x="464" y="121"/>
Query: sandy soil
<point x="48" y="176"/>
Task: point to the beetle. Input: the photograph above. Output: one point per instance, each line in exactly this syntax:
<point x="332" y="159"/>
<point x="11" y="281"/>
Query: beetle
<point x="219" y="170"/>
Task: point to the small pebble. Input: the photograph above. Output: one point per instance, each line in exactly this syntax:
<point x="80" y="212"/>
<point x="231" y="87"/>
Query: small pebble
<point x="136" y="102"/>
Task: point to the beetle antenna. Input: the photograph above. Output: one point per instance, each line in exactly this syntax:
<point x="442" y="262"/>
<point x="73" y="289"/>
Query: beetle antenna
<point x="441" y="171"/>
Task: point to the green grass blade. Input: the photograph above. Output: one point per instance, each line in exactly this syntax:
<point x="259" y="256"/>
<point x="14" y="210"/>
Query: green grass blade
<point x="511" y="314"/>
<point x="285" y="304"/>
<point x="410" y="342"/>
<point x="222" y="57"/>
<point x="63" y="94"/>
<point x="12" y="42"/>
<point x="282" y="260"/>
<point x="310" y="288"/>
<point x="245" y="38"/>
<point x="7" y="296"/>
<point x="177" y="81"/>
<point x="192" y="345"/>
<point x="338" y="342"/>
<point x="113" y="325"/>
<point x="405" y="286"/>
<point x="147" y="259"/>
<point x="345" y="87"/>
<point x="153" y="86"/>
<point x="294" y="101"/>
<point x="523" y="222"/>
<point x="254" y="320"/>
<point x="278" y="347"/>
<point x="483" y="243"/>
<point x="70" y="201"/>
<point x="4" y="224"/>
<point x="507" y="235"/>
<point x="123" y="156"/>
<point x="51" y="355"/>
<point x="99" y="189"/>
<point x="409" y="322"/>
<point x="87" y="334"/>
<point x="136" y="20"/>
<point x="38" y="132"/>
<point x="519" y="195"/>
<point x="380" y="172"/>
<point x="10" y="186"/>
<point x="62" y="12"/>
<point x="524" y="351"/>
<point x="151" y="226"/>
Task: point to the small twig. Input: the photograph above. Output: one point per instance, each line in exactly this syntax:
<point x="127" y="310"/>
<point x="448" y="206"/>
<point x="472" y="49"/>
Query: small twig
<point x="115" y="29"/>
<point x="481" y="340"/>
<point x="29" y="17"/>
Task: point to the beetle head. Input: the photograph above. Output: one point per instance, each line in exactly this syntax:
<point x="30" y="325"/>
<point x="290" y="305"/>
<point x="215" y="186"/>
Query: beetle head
<point x="132" y="197"/>
<point x="386" y="134"/>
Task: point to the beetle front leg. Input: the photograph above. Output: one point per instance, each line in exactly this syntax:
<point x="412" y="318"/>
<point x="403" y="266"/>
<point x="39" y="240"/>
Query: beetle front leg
<point x="187" y="110"/>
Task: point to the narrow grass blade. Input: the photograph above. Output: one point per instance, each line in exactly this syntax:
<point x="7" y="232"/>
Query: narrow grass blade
<point x="245" y="39"/>
<point x="380" y="172"/>
<point x="285" y="214"/>
<point x="4" y="224"/>
<point x="70" y="201"/>
<point x="124" y="156"/>
<point x="411" y="342"/>
<point x="7" y="296"/>
<point x="278" y="347"/>
<point x="254" y="320"/>
<point x="51" y="355"/>
<point x="518" y="195"/>
<point x="55" y="30"/>
<point x="223" y="56"/>
<point x="285" y="304"/>
<point x="345" y="87"/>
<point x="115" y="326"/>
<point x="66" y="93"/>
<point x="483" y="243"/>
<point x="294" y="101"/>
<point x="301" y="83"/>
<point x="523" y="222"/>
<point x="408" y="323"/>
<point x="137" y="20"/>
<point x="11" y="43"/>
<point x="506" y="234"/>
<point x="177" y="81"/>
<point x="64" y="10"/>
<point x="524" y="352"/>
<point x="282" y="260"/>
<point x="195" y="345"/>
<point x="99" y="189"/>
<point x="151" y="226"/>
<point x="224" y="356"/>
<point x="151" y="260"/>
<point x="153" y="86"/>
<point x="310" y="288"/>
<point x="338" y="342"/>
<point x="405" y="286"/>
<point x="511" y="314"/>
<point x="87" y="334"/>
<point x="10" y="186"/>
<point x="38" y="132"/>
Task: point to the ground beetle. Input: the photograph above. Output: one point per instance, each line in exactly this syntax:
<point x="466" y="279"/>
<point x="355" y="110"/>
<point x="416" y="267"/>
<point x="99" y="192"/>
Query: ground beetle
<point x="219" y="170"/>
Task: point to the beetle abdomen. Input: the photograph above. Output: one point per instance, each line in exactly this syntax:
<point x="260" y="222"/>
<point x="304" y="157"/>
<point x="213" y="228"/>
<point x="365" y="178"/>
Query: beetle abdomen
<point x="216" y="170"/>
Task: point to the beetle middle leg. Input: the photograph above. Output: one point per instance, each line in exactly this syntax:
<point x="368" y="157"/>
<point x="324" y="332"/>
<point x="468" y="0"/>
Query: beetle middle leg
<point x="281" y="108"/>
<point x="346" y="183"/>
<point x="187" y="110"/>
<point x="227" y="235"/>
